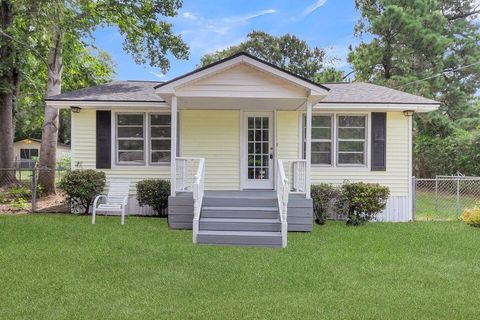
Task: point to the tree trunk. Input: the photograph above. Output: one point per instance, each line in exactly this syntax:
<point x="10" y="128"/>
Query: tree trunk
<point x="7" y="59"/>
<point x="48" y="147"/>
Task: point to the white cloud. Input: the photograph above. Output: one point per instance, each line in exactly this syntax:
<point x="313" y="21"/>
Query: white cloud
<point x="206" y="35"/>
<point x="314" y="6"/>
<point x="189" y="15"/>
<point x="156" y="74"/>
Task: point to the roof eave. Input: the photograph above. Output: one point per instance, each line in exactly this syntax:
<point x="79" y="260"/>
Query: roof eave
<point x="372" y="106"/>
<point x="94" y="104"/>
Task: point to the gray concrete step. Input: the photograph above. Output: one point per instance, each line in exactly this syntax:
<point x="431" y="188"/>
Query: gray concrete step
<point x="239" y="212"/>
<point x="240" y="224"/>
<point x="240" y="238"/>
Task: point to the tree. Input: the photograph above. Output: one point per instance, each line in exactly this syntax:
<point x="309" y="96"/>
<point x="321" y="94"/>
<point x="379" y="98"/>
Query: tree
<point x="287" y="52"/>
<point x="8" y="73"/>
<point x="146" y="38"/>
<point x="425" y="47"/>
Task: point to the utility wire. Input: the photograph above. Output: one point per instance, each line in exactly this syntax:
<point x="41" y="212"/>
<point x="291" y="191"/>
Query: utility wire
<point x="438" y="74"/>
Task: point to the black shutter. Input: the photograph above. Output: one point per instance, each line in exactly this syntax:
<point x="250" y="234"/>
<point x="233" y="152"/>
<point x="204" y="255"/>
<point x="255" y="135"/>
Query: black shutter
<point x="104" y="142"/>
<point x="379" y="141"/>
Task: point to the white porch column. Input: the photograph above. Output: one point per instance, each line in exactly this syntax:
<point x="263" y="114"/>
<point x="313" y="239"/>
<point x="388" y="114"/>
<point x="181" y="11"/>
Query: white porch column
<point x="173" y="147"/>
<point x="308" y="145"/>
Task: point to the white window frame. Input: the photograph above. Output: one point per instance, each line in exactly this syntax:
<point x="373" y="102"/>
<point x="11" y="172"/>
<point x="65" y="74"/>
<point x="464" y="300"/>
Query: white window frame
<point x="331" y="140"/>
<point x="334" y="115"/>
<point x="117" y="139"/>
<point x="146" y="163"/>
<point x="149" y="149"/>
<point x="337" y="140"/>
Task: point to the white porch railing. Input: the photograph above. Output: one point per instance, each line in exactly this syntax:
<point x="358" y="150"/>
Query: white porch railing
<point x="283" y="189"/>
<point x="296" y="172"/>
<point x="191" y="177"/>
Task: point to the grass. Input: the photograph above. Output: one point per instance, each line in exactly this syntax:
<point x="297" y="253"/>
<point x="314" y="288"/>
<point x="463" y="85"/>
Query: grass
<point x="61" y="267"/>
<point x="446" y="208"/>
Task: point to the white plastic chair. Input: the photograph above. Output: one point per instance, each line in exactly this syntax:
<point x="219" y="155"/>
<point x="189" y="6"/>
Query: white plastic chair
<point x="115" y="201"/>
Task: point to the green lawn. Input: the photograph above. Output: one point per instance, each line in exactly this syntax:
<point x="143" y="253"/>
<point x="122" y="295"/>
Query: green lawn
<point x="61" y="267"/>
<point x="446" y="208"/>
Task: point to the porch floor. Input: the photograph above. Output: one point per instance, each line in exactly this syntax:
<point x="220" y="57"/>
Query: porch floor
<point x="250" y="194"/>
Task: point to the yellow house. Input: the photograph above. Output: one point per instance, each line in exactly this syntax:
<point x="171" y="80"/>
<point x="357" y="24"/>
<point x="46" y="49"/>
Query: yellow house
<point x="242" y="140"/>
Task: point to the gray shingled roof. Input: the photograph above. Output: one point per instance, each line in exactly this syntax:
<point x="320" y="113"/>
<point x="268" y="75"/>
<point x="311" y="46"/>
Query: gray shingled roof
<point x="141" y="91"/>
<point x="360" y="92"/>
<point x="144" y="91"/>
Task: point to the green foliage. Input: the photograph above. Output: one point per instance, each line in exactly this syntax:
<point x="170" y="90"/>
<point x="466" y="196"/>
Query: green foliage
<point x="430" y="48"/>
<point x="18" y="192"/>
<point x="287" y="52"/>
<point x="154" y="193"/>
<point x="19" y="204"/>
<point x="361" y="202"/>
<point x="472" y="216"/>
<point x="324" y="196"/>
<point x="64" y="162"/>
<point x="82" y="186"/>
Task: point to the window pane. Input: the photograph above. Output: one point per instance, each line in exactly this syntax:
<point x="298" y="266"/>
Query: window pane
<point x="160" y="156"/>
<point x="258" y="135"/>
<point x="251" y="147"/>
<point x="33" y="153"/>
<point x="251" y="173"/>
<point x="250" y="161"/>
<point x="349" y="133"/>
<point x="321" y="121"/>
<point x="350" y="158"/>
<point x="130" y="156"/>
<point x="130" y="119"/>
<point x="321" y="133"/>
<point x="265" y="135"/>
<point x="251" y="125"/>
<point x="322" y="158"/>
<point x="351" y="121"/>
<point x="351" y="146"/>
<point x="130" y="132"/>
<point x="265" y="123"/>
<point x="251" y="134"/>
<point x="161" y="132"/>
<point x="130" y="145"/>
<point x="160" y="119"/>
<point x="321" y="146"/>
<point x="258" y="123"/>
<point x="161" y="144"/>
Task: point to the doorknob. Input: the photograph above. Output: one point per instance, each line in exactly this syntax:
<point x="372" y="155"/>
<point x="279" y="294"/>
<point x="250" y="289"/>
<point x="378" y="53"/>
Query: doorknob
<point x="271" y="155"/>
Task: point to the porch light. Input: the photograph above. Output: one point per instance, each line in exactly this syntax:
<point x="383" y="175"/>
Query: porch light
<point x="408" y="113"/>
<point x="75" y="109"/>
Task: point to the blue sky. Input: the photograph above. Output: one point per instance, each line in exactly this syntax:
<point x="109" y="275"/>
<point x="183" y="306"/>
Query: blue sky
<point x="209" y="25"/>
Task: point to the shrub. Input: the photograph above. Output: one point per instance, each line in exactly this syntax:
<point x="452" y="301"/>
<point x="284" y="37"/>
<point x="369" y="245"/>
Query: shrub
<point x="361" y="202"/>
<point x="154" y="193"/>
<point x="472" y="216"/>
<point x="81" y="187"/>
<point x="18" y="192"/>
<point x="19" y="204"/>
<point x="324" y="197"/>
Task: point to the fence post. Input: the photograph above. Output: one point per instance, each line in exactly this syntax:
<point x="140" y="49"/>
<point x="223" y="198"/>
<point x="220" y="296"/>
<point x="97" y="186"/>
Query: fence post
<point x="34" y="190"/>
<point x="414" y="197"/>
<point x="436" y="193"/>
<point x="458" y="195"/>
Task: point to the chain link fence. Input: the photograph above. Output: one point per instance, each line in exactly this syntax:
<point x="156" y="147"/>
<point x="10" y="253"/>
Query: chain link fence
<point x="445" y="197"/>
<point x="20" y="193"/>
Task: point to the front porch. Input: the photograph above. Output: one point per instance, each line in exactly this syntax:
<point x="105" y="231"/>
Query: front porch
<point x="249" y="218"/>
<point x="239" y="171"/>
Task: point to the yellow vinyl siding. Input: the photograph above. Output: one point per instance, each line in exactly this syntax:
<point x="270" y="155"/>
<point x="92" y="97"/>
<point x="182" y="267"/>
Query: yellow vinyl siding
<point x="215" y="136"/>
<point x="287" y="135"/>
<point x="84" y="152"/>
<point x="396" y="175"/>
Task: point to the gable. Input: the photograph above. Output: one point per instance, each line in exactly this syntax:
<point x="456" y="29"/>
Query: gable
<point x="242" y="80"/>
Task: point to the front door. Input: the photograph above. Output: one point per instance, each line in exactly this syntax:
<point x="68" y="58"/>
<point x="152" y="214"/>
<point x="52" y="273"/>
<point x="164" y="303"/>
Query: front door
<point x="258" y="150"/>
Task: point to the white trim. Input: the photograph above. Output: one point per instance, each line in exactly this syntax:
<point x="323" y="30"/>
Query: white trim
<point x="244" y="151"/>
<point x="334" y="165"/>
<point x="308" y="146"/>
<point x="116" y="161"/>
<point x="410" y="164"/>
<point x="171" y="87"/>
<point x="386" y="107"/>
<point x="104" y="105"/>
<point x="173" y="147"/>
<point x="113" y="126"/>
<point x="73" y="142"/>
